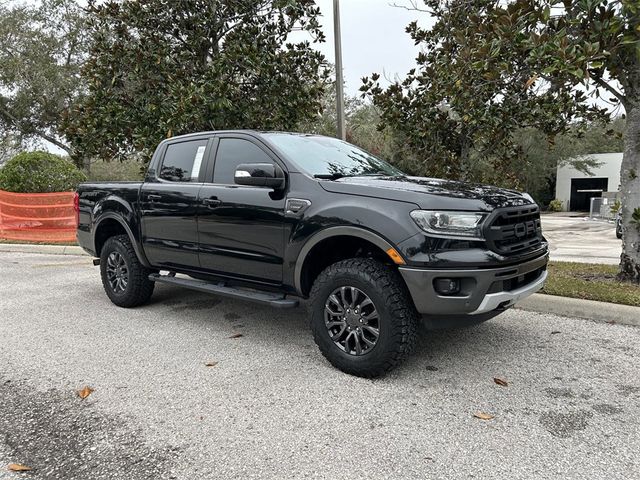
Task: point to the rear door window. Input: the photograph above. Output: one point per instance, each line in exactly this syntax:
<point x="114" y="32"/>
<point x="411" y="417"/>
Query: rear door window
<point x="183" y="161"/>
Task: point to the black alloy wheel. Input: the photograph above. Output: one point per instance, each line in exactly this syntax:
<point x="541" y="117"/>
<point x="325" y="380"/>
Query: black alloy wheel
<point x="125" y="280"/>
<point x="117" y="272"/>
<point x="352" y="320"/>
<point x="362" y="316"/>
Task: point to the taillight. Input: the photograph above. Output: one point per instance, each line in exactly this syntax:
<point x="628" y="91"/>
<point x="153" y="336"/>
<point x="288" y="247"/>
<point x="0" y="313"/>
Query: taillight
<point x="76" y="207"/>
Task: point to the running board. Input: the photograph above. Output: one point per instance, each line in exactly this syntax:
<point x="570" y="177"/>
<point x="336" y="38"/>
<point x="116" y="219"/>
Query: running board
<point x="265" y="298"/>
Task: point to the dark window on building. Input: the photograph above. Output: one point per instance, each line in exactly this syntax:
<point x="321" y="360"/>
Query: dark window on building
<point x="233" y="152"/>
<point x="183" y="161"/>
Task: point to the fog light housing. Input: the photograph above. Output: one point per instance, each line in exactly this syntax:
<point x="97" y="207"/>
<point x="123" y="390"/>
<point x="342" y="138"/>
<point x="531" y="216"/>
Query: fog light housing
<point x="447" y="286"/>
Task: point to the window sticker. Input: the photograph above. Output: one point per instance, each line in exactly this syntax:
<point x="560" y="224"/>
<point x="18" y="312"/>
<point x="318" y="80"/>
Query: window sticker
<point x="195" y="172"/>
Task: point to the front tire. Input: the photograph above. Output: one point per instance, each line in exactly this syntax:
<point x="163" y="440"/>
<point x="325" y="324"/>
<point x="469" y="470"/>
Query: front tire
<point x="124" y="278"/>
<point x="362" y="317"/>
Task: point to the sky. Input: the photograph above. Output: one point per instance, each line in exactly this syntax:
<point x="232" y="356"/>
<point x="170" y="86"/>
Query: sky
<point x="373" y="38"/>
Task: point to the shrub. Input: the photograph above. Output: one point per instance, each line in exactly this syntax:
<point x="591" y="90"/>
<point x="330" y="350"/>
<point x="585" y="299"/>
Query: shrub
<point x="39" y="172"/>
<point x="555" y="206"/>
<point x="615" y="207"/>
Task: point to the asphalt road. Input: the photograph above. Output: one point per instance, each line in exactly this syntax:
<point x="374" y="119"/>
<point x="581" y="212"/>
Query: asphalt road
<point x="274" y="408"/>
<point x="578" y="239"/>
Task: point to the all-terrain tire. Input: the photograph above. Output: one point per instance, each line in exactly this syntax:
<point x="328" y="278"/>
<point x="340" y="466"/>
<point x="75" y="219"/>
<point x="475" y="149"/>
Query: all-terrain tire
<point x="139" y="288"/>
<point x="398" y="319"/>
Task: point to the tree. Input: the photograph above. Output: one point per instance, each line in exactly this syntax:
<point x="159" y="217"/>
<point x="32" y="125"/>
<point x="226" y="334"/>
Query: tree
<point x="8" y="148"/>
<point x="42" y="48"/>
<point x="362" y="120"/>
<point x="491" y="67"/>
<point x="540" y="159"/>
<point x="160" y="68"/>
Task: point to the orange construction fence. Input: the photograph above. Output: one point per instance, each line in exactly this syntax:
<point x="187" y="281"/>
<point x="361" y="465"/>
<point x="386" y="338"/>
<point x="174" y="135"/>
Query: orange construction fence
<point x="37" y="217"/>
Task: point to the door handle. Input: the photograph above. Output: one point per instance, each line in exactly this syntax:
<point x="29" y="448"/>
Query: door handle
<point x="153" y="198"/>
<point x="212" y="202"/>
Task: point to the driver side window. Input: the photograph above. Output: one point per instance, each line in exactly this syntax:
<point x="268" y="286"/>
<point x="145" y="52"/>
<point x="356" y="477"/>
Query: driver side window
<point x="233" y="152"/>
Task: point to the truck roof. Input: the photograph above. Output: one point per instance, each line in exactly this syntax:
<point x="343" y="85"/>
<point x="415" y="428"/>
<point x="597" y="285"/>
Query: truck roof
<point x="245" y="131"/>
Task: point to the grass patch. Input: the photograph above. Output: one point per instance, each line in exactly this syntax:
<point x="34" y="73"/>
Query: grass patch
<point x="590" y="282"/>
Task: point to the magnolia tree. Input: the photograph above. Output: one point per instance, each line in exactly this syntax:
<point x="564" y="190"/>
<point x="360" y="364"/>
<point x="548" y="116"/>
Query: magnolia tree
<point x="42" y="48"/>
<point x="159" y="68"/>
<point x="489" y="68"/>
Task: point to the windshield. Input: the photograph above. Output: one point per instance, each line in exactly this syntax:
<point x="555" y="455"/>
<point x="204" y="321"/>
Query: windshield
<point x="326" y="157"/>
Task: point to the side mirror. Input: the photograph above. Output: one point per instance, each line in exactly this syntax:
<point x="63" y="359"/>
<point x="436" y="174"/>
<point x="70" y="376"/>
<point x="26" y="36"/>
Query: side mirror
<point x="260" y="175"/>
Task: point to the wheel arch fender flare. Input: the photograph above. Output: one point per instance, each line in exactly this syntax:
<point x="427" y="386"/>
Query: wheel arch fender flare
<point x="330" y="232"/>
<point x="118" y="218"/>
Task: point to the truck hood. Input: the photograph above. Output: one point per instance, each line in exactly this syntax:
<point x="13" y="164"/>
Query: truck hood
<point x="429" y="193"/>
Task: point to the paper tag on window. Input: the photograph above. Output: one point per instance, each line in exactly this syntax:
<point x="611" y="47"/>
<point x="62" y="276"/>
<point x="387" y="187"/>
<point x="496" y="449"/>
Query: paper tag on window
<point x="197" y="163"/>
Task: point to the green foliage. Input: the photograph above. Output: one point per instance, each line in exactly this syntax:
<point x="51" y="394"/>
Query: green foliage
<point x="555" y="205"/>
<point x="8" y="149"/>
<point x="42" y="48"/>
<point x="471" y="93"/>
<point x="362" y="122"/>
<point x="39" y="172"/>
<point x="615" y="207"/>
<point x="129" y="170"/>
<point x="159" y="69"/>
<point x="483" y="75"/>
<point x="537" y="165"/>
<point x="635" y="218"/>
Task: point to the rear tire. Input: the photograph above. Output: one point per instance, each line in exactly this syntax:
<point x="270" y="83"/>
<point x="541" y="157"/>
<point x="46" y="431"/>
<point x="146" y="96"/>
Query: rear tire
<point x="124" y="278"/>
<point x="377" y="301"/>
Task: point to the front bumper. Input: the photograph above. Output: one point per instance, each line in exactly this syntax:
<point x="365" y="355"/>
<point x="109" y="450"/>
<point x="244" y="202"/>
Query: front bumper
<point x="483" y="290"/>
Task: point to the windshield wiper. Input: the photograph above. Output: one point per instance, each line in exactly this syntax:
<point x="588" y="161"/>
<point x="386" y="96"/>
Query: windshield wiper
<point x="336" y="176"/>
<point x="331" y="176"/>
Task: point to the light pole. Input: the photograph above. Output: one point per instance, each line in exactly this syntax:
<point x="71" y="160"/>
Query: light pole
<point x="341" y="130"/>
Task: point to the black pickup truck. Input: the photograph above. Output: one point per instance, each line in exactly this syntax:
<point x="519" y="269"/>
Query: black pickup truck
<point x="276" y="217"/>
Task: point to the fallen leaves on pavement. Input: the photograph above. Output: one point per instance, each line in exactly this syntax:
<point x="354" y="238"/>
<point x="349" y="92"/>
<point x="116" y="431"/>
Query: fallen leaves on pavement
<point x="483" y="416"/>
<point x="85" y="392"/>
<point x="16" y="467"/>
<point x="236" y="335"/>
<point x="210" y="364"/>
<point x="502" y="383"/>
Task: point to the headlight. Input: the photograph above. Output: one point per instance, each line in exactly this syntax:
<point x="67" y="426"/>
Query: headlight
<point x="467" y="225"/>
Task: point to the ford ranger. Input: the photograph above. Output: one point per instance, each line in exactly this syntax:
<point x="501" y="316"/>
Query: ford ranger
<point x="273" y="218"/>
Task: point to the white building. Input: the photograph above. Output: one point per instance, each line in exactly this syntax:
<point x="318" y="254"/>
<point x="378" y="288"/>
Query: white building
<point x="575" y="189"/>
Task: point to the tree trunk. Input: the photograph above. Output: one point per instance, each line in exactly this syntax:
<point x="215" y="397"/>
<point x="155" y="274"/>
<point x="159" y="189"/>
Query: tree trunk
<point x="630" y="189"/>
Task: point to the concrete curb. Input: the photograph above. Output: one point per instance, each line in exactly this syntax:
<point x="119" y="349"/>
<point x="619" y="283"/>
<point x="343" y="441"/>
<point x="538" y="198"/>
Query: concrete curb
<point x="46" y="249"/>
<point x="587" y="309"/>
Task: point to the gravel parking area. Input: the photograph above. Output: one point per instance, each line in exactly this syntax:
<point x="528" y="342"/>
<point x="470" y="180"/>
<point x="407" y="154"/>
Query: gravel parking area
<point x="272" y="407"/>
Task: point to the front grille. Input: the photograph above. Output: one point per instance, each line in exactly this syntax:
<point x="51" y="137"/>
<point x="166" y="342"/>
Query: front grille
<point x="514" y="230"/>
